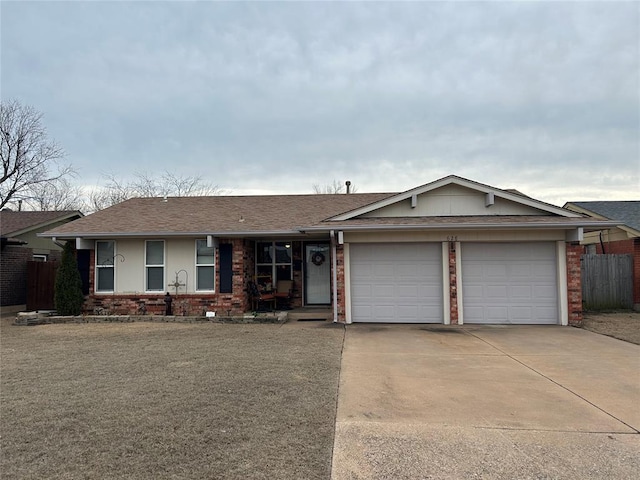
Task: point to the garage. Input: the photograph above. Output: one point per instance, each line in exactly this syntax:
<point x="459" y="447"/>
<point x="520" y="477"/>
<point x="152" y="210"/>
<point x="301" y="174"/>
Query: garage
<point x="510" y="283"/>
<point x="396" y="282"/>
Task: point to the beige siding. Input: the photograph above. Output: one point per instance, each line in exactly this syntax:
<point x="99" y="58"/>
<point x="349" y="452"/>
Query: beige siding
<point x="610" y="235"/>
<point x="130" y="272"/>
<point x="179" y="255"/>
<point x="453" y="200"/>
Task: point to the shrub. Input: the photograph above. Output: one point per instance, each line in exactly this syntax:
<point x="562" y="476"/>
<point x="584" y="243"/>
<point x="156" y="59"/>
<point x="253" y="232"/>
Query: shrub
<point x="68" y="289"/>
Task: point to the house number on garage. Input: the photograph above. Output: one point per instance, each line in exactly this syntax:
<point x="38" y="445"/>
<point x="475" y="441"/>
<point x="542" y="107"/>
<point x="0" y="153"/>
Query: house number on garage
<point x="452" y="238"/>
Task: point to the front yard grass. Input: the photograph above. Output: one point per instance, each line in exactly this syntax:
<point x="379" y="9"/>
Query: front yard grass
<point x="146" y="400"/>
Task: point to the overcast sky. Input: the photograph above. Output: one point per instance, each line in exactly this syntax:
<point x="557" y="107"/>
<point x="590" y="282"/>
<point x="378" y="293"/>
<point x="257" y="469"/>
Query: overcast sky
<point x="267" y="97"/>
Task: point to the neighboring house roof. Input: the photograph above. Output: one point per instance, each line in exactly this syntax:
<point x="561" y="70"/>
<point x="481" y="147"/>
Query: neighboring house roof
<point x="16" y="223"/>
<point x="625" y="212"/>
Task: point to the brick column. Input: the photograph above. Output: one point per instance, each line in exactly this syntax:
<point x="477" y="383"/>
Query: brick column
<point x="574" y="284"/>
<point x="342" y="315"/>
<point x="453" y="285"/>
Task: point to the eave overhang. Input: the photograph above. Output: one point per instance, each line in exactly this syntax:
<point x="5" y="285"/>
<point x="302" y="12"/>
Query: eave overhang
<point x="160" y="234"/>
<point x="587" y="226"/>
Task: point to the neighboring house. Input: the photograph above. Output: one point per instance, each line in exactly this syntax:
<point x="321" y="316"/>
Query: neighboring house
<point x="621" y="239"/>
<point x="20" y="244"/>
<point x="452" y="251"/>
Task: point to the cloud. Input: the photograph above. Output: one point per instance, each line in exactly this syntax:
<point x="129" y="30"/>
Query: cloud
<point x="279" y="96"/>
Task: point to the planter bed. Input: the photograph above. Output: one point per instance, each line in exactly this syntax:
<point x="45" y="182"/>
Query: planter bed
<point x="34" y="318"/>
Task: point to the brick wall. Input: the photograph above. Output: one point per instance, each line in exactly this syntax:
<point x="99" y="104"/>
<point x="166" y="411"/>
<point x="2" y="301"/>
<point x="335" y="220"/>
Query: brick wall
<point x="619" y="247"/>
<point x="297" y="252"/>
<point x="13" y="275"/>
<point x="636" y="274"/>
<point x="574" y="286"/>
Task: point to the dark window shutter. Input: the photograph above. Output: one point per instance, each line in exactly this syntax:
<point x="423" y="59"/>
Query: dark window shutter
<point x="84" y="266"/>
<point x="226" y="268"/>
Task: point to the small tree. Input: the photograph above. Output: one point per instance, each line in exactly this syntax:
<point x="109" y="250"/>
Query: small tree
<point x="68" y="289"/>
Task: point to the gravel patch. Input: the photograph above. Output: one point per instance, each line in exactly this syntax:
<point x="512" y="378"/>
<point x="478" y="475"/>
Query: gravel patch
<point x="621" y="325"/>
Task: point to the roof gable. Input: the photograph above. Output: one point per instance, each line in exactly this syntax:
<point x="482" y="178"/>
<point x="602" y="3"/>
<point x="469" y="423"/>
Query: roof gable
<point x="455" y="196"/>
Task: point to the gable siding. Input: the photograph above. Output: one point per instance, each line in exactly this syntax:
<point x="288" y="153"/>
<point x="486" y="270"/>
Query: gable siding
<point x="453" y="200"/>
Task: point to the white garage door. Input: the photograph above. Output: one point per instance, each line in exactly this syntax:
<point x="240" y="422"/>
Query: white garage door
<point x="509" y="283"/>
<point x="396" y="282"/>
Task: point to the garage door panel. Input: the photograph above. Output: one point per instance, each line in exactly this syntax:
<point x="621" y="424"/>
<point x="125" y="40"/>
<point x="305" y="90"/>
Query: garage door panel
<point x="544" y="292"/>
<point x="518" y="283"/>
<point x="521" y="292"/>
<point x="497" y="314"/>
<point x="405" y="285"/>
<point x="495" y="291"/>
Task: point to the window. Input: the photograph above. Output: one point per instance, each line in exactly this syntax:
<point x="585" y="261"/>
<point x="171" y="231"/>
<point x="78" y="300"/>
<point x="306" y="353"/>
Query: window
<point x="205" y="266"/>
<point x="105" y="253"/>
<point x="40" y="258"/>
<point x="154" y="265"/>
<point x="273" y="263"/>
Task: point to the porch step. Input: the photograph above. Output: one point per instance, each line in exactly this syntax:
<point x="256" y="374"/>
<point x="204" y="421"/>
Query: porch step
<point x="309" y="315"/>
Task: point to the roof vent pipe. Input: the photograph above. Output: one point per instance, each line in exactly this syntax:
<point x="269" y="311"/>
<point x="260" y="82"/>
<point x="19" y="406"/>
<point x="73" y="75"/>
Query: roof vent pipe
<point x="348" y="184"/>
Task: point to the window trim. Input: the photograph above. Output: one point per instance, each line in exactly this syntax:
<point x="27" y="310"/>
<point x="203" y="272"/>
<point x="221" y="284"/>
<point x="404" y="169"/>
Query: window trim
<point x="155" y="265"/>
<point x="197" y="265"/>
<point x="97" y="266"/>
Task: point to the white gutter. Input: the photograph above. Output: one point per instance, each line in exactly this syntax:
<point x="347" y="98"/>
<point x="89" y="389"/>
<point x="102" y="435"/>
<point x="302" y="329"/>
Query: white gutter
<point x="253" y="233"/>
<point x="334" y="264"/>
<point x="467" y="226"/>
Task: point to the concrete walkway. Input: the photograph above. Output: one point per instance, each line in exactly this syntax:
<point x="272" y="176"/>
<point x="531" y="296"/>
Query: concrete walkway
<point x="436" y="402"/>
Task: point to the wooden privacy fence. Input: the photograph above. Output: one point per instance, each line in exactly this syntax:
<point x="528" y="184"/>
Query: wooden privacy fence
<point x="41" y="279"/>
<point x="607" y="281"/>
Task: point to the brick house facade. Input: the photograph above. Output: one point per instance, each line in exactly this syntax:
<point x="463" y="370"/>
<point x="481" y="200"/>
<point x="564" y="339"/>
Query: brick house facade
<point x="265" y="239"/>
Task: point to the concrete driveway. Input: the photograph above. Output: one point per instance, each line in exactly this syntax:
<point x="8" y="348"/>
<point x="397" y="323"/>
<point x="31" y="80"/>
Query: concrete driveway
<point x="436" y="402"/>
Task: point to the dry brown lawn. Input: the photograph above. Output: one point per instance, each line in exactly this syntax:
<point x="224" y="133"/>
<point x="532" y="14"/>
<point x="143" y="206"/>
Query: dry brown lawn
<point x="151" y="401"/>
<point x="621" y="325"/>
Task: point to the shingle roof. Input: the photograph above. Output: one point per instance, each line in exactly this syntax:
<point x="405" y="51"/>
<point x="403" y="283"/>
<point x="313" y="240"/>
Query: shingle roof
<point x="216" y="214"/>
<point x="628" y="212"/>
<point x="12" y="222"/>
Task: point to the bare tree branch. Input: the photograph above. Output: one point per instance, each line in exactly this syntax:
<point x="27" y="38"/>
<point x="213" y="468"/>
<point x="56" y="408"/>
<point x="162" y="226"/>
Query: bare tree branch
<point x="144" y="184"/>
<point x="334" y="187"/>
<point x="27" y="154"/>
<point x="55" y="195"/>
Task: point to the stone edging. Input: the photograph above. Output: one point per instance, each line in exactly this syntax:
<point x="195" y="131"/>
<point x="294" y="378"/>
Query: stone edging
<point x="34" y="318"/>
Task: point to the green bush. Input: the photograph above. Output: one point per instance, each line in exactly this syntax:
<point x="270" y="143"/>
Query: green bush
<point x="68" y="289"/>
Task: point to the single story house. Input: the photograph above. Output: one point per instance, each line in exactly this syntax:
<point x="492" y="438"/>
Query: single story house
<point x="621" y="239"/>
<point x="452" y="251"/>
<point x="20" y="244"/>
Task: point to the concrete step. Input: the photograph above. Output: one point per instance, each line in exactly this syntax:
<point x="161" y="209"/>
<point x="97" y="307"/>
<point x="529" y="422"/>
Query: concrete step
<point x="310" y="315"/>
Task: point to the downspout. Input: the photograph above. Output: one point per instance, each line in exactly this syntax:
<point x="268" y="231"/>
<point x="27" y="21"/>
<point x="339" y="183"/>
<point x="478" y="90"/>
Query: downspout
<point x="55" y="240"/>
<point x="334" y="264"/>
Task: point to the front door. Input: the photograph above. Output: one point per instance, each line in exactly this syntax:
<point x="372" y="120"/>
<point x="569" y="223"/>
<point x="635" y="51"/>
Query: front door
<point x="317" y="276"/>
